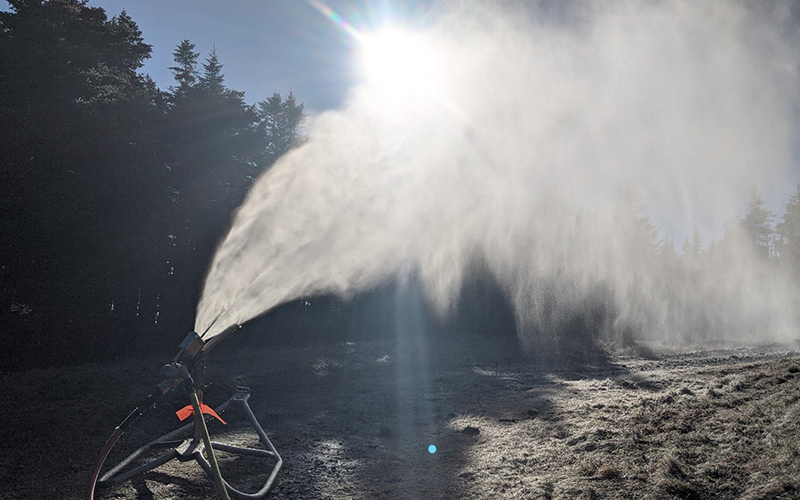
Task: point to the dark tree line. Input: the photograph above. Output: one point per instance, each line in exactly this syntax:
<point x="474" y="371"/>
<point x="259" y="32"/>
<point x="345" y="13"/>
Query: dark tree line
<point x="114" y="192"/>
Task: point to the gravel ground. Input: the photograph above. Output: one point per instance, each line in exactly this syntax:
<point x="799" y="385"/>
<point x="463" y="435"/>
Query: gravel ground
<point x="357" y="419"/>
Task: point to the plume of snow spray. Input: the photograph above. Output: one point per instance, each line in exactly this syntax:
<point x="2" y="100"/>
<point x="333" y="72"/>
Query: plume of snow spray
<point x="517" y="151"/>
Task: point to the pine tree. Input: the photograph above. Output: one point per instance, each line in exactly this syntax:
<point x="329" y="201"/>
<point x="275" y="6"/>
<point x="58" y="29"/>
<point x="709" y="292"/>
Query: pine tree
<point x="294" y="118"/>
<point x="271" y="123"/>
<point x="212" y="79"/>
<point x="636" y="228"/>
<point x="693" y="248"/>
<point x="789" y="232"/>
<point x="78" y="170"/>
<point x="279" y="123"/>
<point x="61" y="55"/>
<point x="666" y="250"/>
<point x="128" y="47"/>
<point x="185" y="73"/>
<point x="757" y="224"/>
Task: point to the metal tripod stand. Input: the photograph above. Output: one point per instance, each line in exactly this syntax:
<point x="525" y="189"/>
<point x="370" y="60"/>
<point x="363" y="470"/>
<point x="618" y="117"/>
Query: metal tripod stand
<point x="189" y="367"/>
<point x="193" y="448"/>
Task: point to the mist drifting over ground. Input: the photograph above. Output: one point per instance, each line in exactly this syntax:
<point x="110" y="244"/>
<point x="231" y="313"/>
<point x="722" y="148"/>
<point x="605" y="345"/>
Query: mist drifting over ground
<point x="517" y="154"/>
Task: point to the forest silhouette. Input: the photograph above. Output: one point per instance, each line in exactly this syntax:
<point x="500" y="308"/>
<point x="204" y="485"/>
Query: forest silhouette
<point x="114" y="192"/>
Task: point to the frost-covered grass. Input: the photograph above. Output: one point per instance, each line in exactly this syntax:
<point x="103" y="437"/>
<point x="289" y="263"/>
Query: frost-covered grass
<point x="355" y="420"/>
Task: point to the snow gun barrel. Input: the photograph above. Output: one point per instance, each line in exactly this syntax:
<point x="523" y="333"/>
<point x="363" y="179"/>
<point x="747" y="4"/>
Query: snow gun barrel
<point x="190" y="348"/>
<point x="211" y="342"/>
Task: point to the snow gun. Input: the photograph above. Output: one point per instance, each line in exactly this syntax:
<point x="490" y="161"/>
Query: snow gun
<point x="191" y="441"/>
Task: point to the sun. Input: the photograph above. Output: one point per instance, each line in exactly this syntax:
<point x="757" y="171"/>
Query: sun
<point x="398" y="62"/>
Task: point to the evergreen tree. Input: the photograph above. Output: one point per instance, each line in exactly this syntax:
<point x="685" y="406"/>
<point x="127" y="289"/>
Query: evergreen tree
<point x="294" y="119"/>
<point x="666" y="250"/>
<point x="637" y="230"/>
<point x="270" y="114"/>
<point x="76" y="121"/>
<point x="788" y="232"/>
<point x="210" y="148"/>
<point x="127" y="49"/>
<point x="185" y="70"/>
<point x="693" y="247"/>
<point x="61" y="60"/>
<point x="117" y="192"/>
<point x="279" y="125"/>
<point x="212" y="79"/>
<point x="757" y="224"/>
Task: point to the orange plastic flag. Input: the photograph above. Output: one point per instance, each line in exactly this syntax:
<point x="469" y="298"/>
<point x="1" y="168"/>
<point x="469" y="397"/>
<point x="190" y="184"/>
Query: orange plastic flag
<point x="188" y="410"/>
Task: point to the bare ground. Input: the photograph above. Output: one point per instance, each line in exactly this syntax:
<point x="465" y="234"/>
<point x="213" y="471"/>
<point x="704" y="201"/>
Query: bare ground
<point x="355" y="420"/>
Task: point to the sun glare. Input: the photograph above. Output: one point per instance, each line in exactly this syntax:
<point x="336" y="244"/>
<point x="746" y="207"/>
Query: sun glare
<point x="398" y="62"/>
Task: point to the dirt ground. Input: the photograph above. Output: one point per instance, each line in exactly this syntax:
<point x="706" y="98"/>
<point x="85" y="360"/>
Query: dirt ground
<point x="356" y="420"/>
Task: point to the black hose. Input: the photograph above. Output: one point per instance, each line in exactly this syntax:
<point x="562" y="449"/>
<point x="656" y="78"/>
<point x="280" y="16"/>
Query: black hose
<point x="118" y="432"/>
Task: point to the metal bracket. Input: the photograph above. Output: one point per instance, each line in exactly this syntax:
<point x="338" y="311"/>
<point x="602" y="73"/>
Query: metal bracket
<point x="192" y="449"/>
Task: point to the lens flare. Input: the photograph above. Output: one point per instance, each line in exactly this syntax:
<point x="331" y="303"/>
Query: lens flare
<point x="432" y="449"/>
<point x="336" y="18"/>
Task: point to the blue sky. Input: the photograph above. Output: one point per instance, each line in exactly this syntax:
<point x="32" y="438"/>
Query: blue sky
<point x="266" y="46"/>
